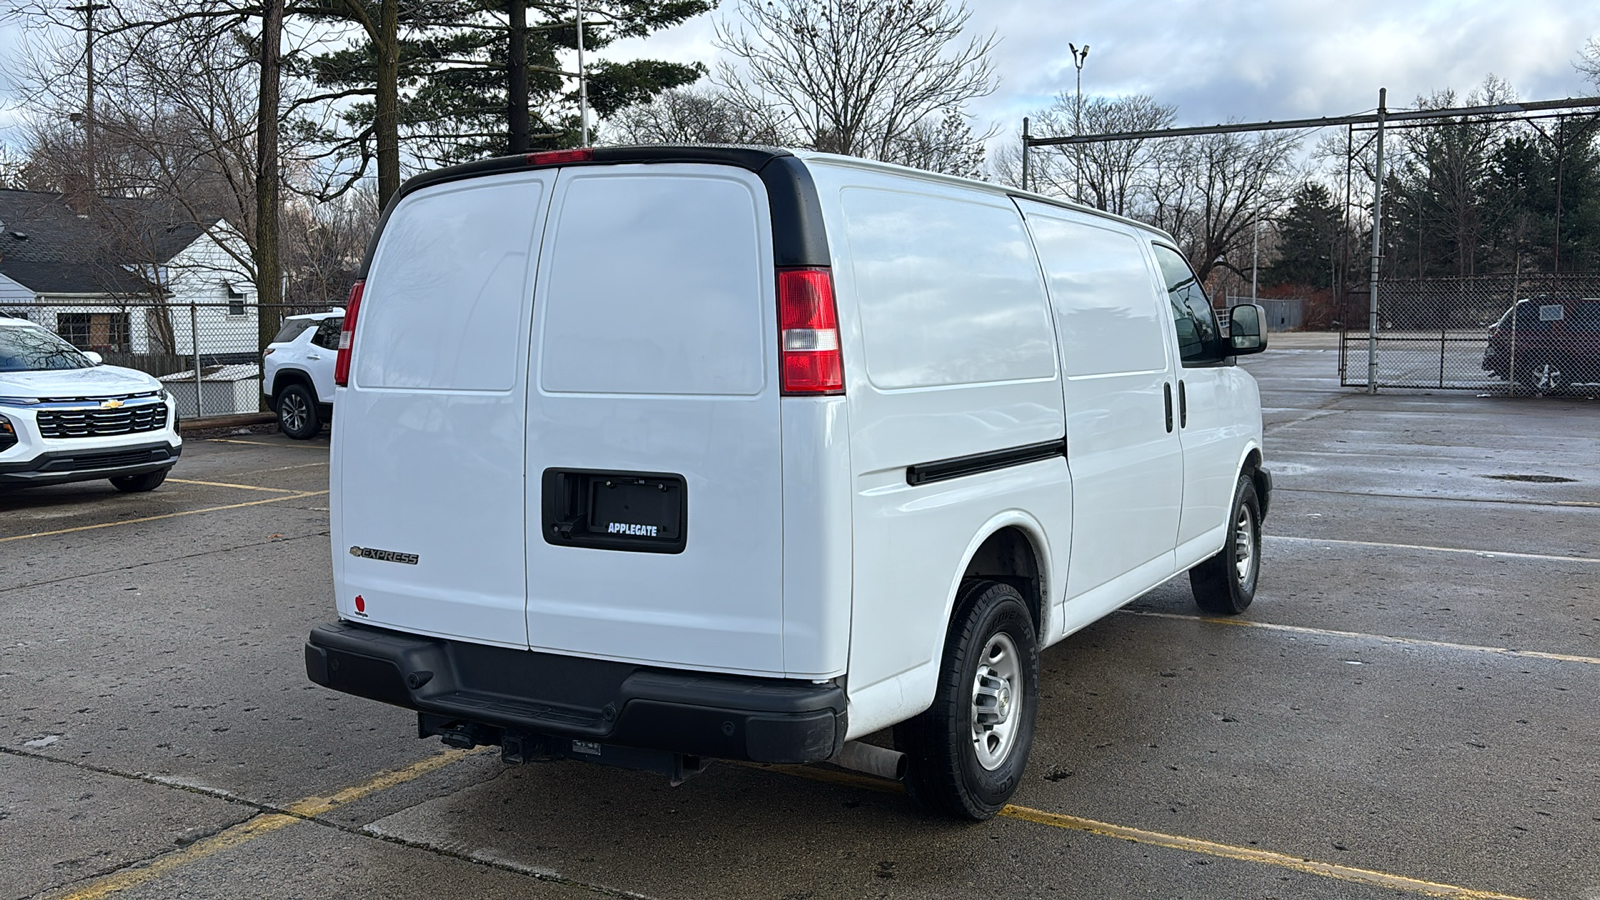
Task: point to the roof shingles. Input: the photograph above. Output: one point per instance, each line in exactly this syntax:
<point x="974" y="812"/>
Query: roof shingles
<point x="50" y="249"/>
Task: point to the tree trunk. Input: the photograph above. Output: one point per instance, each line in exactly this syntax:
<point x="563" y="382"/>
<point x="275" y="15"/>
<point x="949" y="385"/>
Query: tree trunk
<point x="517" y="69"/>
<point x="386" y="124"/>
<point x="269" y="282"/>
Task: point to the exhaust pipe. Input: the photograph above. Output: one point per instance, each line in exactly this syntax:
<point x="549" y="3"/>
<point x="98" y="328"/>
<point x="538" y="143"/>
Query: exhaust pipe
<point x="872" y="760"/>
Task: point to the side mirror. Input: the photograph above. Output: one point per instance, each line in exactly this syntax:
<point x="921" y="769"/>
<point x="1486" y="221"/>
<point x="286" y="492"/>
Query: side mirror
<point x="94" y="357"/>
<point x="1245" y="334"/>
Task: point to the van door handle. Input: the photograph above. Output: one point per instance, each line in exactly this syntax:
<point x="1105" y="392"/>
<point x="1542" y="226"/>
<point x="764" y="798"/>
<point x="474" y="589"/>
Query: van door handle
<point x="1166" y="391"/>
<point x="1183" y="406"/>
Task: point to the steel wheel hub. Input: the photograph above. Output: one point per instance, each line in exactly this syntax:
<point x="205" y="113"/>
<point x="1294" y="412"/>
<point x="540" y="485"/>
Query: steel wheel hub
<point x="996" y="696"/>
<point x="1244" y="547"/>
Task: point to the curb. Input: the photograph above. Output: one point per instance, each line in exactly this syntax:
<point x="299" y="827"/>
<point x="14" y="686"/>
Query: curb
<point x="212" y="422"/>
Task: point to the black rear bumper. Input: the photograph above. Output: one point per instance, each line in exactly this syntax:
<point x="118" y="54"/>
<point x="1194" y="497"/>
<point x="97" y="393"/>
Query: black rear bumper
<point x="529" y="694"/>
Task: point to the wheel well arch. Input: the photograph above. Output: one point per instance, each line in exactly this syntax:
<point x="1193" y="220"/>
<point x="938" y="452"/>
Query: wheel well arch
<point x="1012" y="550"/>
<point x="286" y="377"/>
<point x="1252" y="468"/>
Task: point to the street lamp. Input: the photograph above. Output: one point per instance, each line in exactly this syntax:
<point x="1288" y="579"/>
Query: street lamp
<point x="1078" y="56"/>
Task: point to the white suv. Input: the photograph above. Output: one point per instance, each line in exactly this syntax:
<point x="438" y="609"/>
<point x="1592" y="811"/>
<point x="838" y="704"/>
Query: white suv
<point x="299" y="372"/>
<point x="65" y="417"/>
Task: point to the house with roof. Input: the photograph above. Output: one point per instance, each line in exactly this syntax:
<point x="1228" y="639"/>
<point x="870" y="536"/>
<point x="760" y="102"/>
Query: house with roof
<point x="133" y="279"/>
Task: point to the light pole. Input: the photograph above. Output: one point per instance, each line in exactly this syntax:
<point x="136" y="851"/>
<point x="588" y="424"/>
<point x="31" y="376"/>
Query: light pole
<point x="88" y="10"/>
<point x="1078" y="56"/>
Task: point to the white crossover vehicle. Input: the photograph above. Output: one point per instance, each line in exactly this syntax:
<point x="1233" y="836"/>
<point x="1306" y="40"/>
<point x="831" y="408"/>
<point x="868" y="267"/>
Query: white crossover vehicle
<point x="64" y="417"/>
<point x="651" y="456"/>
<point x="298" y="381"/>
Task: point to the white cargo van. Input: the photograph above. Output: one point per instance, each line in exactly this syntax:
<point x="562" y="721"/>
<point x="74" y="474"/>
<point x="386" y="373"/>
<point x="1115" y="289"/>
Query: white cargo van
<point x="652" y="456"/>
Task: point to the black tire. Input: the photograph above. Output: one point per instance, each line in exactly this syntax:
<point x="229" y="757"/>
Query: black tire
<point x="991" y="634"/>
<point x="1225" y="584"/>
<point x="138" y="484"/>
<point x="298" y="415"/>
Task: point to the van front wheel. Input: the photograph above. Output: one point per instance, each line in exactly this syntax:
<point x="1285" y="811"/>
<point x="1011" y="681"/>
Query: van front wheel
<point x="966" y="753"/>
<point x="1226" y="583"/>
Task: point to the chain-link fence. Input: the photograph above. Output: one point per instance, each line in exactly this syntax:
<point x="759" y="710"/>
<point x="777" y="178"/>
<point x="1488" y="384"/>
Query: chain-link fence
<point x="1529" y="333"/>
<point x="209" y="356"/>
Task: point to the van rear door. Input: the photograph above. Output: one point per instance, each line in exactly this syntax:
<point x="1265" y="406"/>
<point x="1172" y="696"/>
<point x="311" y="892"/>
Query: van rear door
<point x="654" y="486"/>
<point x="427" y="506"/>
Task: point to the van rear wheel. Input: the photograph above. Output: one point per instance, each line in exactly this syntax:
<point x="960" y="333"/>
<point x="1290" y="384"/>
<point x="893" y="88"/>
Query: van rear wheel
<point x="1226" y="583"/>
<point x="966" y="753"/>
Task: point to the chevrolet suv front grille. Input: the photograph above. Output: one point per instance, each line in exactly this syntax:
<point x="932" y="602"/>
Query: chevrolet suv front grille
<point x="77" y="423"/>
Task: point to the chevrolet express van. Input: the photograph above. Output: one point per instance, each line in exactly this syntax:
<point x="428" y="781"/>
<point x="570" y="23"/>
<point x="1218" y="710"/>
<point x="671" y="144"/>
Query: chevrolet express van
<point x="653" y="456"/>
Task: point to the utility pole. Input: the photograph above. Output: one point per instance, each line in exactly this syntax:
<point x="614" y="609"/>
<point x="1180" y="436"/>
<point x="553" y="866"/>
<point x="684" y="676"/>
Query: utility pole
<point x="88" y="9"/>
<point x="517" y="69"/>
<point x="1255" y="254"/>
<point x="583" y="80"/>
<point x="1024" y="152"/>
<point x="1377" y="248"/>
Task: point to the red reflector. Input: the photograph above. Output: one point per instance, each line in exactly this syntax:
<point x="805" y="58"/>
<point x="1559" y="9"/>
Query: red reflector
<point x="361" y="605"/>
<point x="808" y="326"/>
<point x="347" y="335"/>
<point x="560" y="157"/>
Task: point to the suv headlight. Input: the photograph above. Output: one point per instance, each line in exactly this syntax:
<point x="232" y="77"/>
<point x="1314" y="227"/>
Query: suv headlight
<point x="8" y="434"/>
<point x="18" y="401"/>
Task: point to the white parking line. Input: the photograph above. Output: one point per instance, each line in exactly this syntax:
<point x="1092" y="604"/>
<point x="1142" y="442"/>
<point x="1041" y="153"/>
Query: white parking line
<point x="1484" y="554"/>
<point x="1362" y="636"/>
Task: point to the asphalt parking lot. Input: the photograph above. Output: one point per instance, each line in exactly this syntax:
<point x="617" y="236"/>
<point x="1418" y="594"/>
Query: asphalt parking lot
<point x="1409" y="708"/>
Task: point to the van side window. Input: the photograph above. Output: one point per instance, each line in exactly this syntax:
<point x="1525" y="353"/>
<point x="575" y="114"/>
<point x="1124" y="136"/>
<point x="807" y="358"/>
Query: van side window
<point x="1586" y="316"/>
<point x="1109" y="312"/>
<point x="949" y="290"/>
<point x="1199" y="336"/>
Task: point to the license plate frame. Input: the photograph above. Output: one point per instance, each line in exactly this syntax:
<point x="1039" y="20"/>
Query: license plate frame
<point x="616" y="510"/>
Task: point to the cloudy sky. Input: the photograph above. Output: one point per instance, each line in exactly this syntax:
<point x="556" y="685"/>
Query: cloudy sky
<point x="1253" y="59"/>
<point x="1221" y="59"/>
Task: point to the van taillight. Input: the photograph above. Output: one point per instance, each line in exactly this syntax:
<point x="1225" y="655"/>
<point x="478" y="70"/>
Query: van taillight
<point x="347" y="335"/>
<point x="808" y="326"/>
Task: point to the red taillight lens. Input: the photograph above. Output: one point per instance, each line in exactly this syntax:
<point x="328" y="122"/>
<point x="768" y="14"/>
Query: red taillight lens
<point x="347" y="335"/>
<point x="808" y="329"/>
<point x="560" y="157"/>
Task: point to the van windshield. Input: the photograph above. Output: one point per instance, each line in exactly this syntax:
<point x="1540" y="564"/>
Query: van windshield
<point x="29" y="349"/>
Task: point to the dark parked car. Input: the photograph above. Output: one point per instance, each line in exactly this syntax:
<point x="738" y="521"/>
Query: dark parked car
<point x="1546" y="344"/>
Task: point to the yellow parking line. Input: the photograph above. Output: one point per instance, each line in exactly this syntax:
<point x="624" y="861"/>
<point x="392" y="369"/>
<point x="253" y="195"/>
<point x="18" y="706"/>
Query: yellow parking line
<point x="297" y="446"/>
<point x="1250" y="854"/>
<point x="253" y="828"/>
<point x="242" y="487"/>
<point x="1178" y="842"/>
<point x="188" y="512"/>
<point x="1381" y="638"/>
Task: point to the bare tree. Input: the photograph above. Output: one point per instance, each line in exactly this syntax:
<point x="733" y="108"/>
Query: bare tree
<point x="872" y="78"/>
<point x="1209" y="192"/>
<point x="1589" y="60"/>
<point x="695" y="116"/>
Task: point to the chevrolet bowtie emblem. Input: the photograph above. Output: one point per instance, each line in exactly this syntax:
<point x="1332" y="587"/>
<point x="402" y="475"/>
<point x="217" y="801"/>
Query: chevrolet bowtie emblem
<point x="111" y="404"/>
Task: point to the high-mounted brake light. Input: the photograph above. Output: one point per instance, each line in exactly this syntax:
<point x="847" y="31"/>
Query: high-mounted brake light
<point x="560" y="157"/>
<point x="808" y="326"/>
<point x="347" y="335"/>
